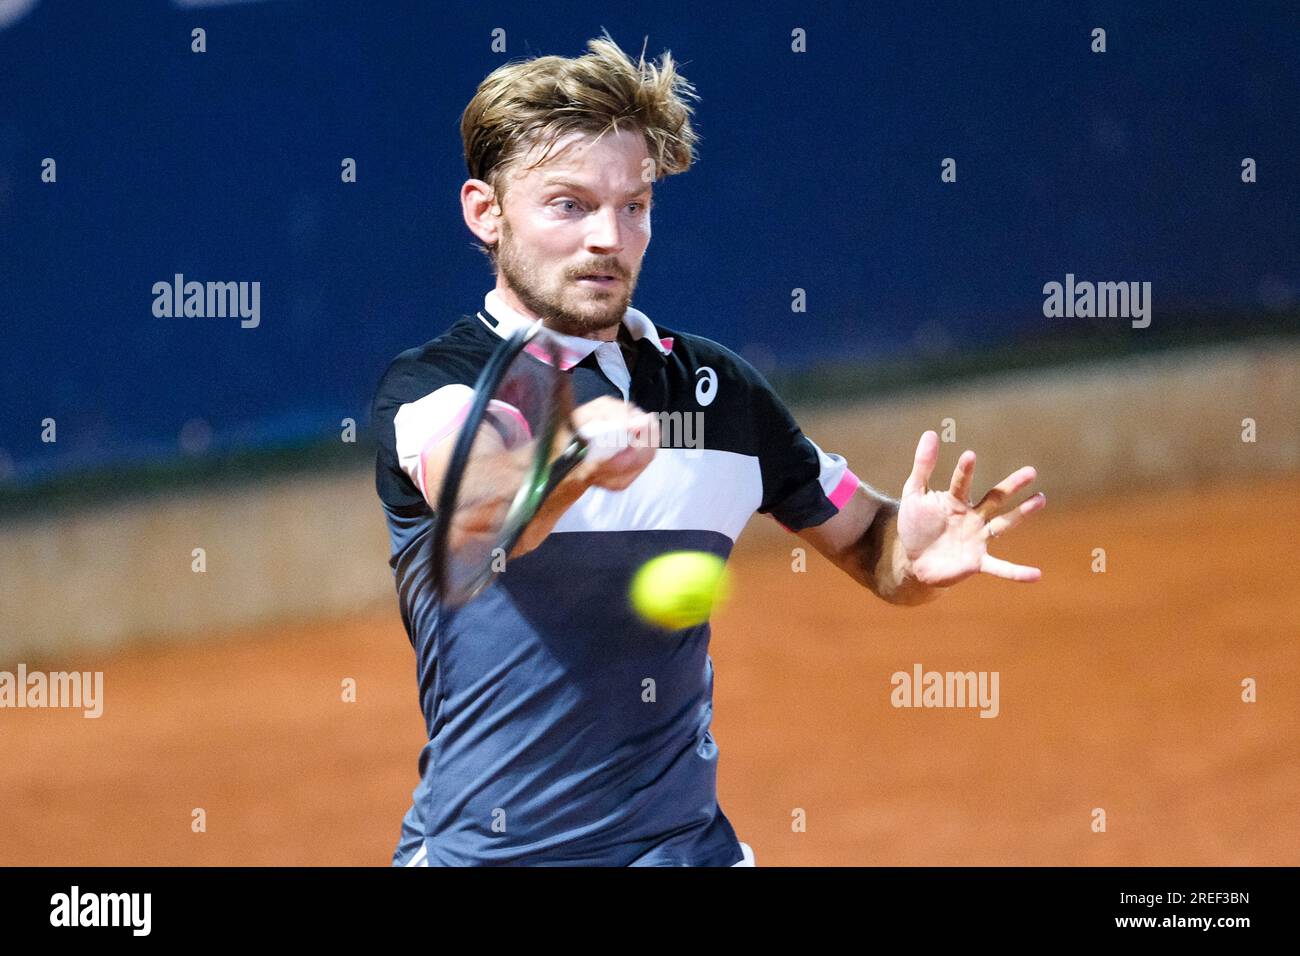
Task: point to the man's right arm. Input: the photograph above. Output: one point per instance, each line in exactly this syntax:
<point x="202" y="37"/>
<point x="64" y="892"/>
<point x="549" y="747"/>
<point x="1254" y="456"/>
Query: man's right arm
<point x="426" y="433"/>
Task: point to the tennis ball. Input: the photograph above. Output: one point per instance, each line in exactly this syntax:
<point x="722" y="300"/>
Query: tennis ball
<point x="679" y="589"/>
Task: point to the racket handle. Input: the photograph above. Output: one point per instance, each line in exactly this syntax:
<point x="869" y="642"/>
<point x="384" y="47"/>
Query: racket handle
<point x="594" y="441"/>
<point x="559" y="471"/>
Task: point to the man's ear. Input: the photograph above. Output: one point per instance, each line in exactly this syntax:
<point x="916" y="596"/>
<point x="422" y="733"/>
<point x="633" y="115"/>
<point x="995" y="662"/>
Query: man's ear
<point x="482" y="212"/>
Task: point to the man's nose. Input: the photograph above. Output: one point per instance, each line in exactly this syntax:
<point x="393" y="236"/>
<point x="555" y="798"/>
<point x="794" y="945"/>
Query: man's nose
<point x="604" y="233"/>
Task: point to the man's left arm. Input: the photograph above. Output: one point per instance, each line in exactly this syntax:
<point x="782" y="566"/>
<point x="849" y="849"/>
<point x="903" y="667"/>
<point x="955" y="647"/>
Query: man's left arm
<point x="908" y="551"/>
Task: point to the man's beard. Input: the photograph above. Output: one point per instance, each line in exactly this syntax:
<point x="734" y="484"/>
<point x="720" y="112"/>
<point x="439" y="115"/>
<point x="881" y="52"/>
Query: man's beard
<point x="607" y="311"/>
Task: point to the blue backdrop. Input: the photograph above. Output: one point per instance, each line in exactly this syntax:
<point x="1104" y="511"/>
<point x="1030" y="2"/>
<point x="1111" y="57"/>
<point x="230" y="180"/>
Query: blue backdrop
<point x="818" y="170"/>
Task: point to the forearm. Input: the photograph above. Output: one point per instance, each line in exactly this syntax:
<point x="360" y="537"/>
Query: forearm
<point x="566" y="493"/>
<point x="888" y="570"/>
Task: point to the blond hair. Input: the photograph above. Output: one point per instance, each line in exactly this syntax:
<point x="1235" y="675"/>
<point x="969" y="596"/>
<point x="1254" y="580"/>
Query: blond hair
<point x="529" y="103"/>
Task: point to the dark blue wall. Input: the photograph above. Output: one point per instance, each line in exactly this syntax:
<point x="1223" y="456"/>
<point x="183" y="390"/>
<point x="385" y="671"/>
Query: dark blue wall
<point x="818" y="170"/>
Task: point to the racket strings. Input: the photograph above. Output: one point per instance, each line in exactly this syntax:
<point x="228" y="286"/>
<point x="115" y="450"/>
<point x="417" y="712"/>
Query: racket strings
<point x="517" y="438"/>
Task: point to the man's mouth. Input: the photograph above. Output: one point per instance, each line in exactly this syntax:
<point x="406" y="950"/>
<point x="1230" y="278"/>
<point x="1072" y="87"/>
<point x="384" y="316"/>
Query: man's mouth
<point x="599" y="279"/>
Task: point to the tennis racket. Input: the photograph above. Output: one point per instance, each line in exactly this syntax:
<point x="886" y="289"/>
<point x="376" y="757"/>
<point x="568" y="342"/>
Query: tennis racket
<point x="515" y="446"/>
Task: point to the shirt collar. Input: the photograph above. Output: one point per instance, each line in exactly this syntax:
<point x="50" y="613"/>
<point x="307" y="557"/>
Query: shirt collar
<point x="505" y="321"/>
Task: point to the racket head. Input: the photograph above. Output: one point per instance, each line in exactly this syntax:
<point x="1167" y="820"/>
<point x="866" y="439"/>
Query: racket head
<point x="503" y="464"/>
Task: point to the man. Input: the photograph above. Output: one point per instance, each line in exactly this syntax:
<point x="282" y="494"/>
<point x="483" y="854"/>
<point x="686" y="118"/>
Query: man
<point x="562" y="728"/>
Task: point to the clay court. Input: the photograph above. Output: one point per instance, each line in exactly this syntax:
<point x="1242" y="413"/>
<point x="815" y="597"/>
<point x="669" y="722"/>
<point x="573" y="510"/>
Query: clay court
<point x="1120" y="690"/>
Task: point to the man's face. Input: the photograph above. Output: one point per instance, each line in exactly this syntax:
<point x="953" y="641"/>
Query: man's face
<point x="584" y="213"/>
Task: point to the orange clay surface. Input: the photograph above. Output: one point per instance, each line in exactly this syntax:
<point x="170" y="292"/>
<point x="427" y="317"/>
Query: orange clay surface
<point x="1119" y="691"/>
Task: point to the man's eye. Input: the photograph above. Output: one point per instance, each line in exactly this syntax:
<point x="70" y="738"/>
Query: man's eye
<point x="568" y="204"/>
<point x="636" y="206"/>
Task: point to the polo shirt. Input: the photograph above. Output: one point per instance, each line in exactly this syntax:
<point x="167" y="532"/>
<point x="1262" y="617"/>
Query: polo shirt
<point x="562" y="729"/>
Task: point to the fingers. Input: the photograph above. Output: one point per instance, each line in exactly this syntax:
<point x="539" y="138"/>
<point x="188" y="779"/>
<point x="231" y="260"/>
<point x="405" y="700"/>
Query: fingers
<point x="618" y="473"/>
<point x="620" y="450"/>
<point x="605" y="438"/>
<point x="961" y="476"/>
<point x="992" y="502"/>
<point x="643" y="429"/>
<point x="606" y="407"/>
<point x="1004" y="523"/>
<point x="927" y="455"/>
<point x="1005" y="569"/>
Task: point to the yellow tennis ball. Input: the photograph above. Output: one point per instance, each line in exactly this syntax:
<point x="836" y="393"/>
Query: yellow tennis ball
<point x="679" y="589"/>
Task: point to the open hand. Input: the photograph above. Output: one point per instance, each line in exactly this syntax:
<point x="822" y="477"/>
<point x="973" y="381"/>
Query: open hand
<point x="944" y="535"/>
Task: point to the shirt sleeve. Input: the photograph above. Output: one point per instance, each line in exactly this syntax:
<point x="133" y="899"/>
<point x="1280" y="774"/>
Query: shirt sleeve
<point x="803" y="486"/>
<point x="427" y="421"/>
<point x="417" y="401"/>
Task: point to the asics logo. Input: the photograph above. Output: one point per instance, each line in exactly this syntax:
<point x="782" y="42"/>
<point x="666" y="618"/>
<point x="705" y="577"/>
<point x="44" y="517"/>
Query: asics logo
<point x="706" y="386"/>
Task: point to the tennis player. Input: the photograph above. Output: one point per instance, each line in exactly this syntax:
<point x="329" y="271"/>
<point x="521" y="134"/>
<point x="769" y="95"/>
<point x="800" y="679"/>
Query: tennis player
<point x="563" y="729"/>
